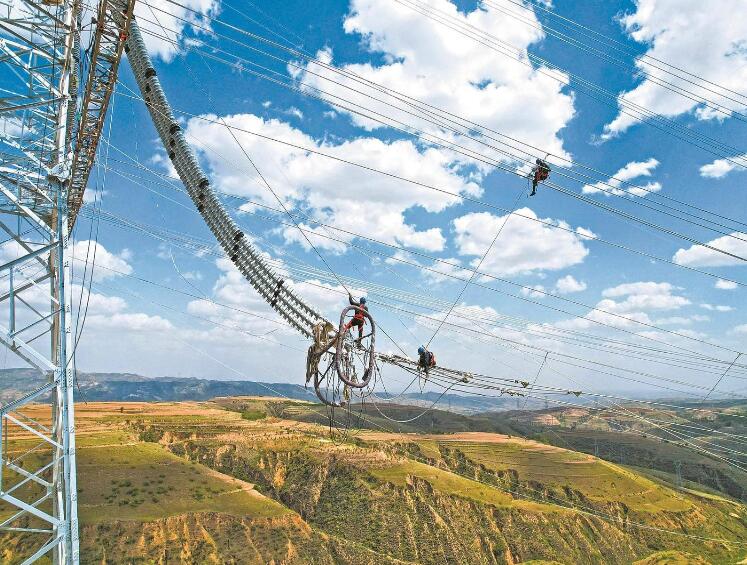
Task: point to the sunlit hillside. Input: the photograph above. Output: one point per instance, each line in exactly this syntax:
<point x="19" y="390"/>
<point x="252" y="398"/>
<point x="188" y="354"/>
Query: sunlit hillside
<point x="196" y="483"/>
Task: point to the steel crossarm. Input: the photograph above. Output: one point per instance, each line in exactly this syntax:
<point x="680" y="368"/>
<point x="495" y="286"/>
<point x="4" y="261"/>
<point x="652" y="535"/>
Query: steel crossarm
<point x="112" y="19"/>
<point x="30" y="476"/>
<point x="29" y="508"/>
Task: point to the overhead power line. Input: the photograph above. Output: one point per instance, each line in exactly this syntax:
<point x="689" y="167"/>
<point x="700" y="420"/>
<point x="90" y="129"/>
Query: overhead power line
<point x="568" y="359"/>
<point x="452" y="265"/>
<point x="422" y="107"/>
<point x="461" y="196"/>
<point x="492" y="162"/>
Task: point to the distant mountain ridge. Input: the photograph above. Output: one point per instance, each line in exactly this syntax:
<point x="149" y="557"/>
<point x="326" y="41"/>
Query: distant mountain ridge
<point x="132" y="387"/>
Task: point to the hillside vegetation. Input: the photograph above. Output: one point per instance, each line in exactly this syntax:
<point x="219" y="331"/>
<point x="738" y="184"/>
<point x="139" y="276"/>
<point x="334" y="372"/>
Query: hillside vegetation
<point x="635" y="436"/>
<point x="200" y="483"/>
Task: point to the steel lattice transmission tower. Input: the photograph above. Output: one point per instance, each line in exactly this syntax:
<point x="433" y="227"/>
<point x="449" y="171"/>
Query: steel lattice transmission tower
<point x="50" y="122"/>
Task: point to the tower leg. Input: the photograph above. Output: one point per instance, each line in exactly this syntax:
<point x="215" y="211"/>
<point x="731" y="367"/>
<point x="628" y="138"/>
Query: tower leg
<point x="38" y="489"/>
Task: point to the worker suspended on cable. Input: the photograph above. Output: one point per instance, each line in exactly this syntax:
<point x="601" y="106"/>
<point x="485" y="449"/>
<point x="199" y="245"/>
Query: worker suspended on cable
<point x="540" y="173"/>
<point x="426" y="360"/>
<point x="359" y="319"/>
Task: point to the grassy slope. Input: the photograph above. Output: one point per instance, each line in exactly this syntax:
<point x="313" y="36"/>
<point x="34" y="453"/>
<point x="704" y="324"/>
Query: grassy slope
<point x="375" y="490"/>
<point x="653" y="454"/>
<point x="596" y="479"/>
<point x="287" y="466"/>
<point x="586" y="430"/>
<point x="145" y="482"/>
<point x="141" y="481"/>
<point x="672" y="558"/>
<point x="603" y="433"/>
<point x="138" y="501"/>
<point x="449" y="483"/>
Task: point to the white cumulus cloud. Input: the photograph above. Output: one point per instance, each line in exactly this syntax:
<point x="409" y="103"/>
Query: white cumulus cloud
<point x="523" y="245"/>
<point x="625" y="304"/>
<point x="235" y="304"/>
<point x="98" y="304"/>
<point x="716" y="307"/>
<point x="568" y="285"/>
<point x="330" y="191"/>
<point x="536" y="291"/>
<point x="129" y="322"/>
<point x="564" y="285"/>
<point x="701" y="256"/>
<point x="643" y="296"/>
<point x="722" y="167"/>
<point x="432" y="63"/>
<point x="105" y="264"/>
<point x="628" y="173"/>
<point x="681" y="320"/>
<point x="164" y="23"/>
<point x="726" y="285"/>
<point x="707" y="39"/>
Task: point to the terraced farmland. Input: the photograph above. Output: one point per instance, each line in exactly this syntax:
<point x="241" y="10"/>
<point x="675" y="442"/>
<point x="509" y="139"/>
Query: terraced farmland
<point x="197" y="483"/>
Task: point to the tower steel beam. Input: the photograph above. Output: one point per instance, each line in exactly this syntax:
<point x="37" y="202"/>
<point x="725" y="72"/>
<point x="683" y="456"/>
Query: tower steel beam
<point x="112" y="21"/>
<point x="39" y="50"/>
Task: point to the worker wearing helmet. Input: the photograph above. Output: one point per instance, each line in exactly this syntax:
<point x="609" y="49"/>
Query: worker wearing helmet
<point x="540" y="173"/>
<point x="426" y="359"/>
<point x="359" y="319"/>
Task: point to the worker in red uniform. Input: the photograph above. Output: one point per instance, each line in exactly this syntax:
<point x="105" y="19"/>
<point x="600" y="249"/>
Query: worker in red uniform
<point x="540" y="173"/>
<point x="359" y="319"/>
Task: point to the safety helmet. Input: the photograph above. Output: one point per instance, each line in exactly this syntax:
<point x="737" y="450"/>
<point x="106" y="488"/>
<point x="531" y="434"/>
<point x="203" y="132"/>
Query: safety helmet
<point x="363" y="300"/>
<point x="421" y="349"/>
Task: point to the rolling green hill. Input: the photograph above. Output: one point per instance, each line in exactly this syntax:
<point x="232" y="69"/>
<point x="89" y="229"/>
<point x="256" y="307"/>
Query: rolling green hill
<point x="196" y="483"/>
<point x="654" y="438"/>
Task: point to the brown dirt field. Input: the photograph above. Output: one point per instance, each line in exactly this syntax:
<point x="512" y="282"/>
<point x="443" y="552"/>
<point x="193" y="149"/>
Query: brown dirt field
<point x="102" y="409"/>
<point x="476" y="437"/>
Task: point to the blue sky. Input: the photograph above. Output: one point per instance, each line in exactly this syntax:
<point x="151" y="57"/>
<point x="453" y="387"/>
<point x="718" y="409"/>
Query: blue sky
<point x="135" y="326"/>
